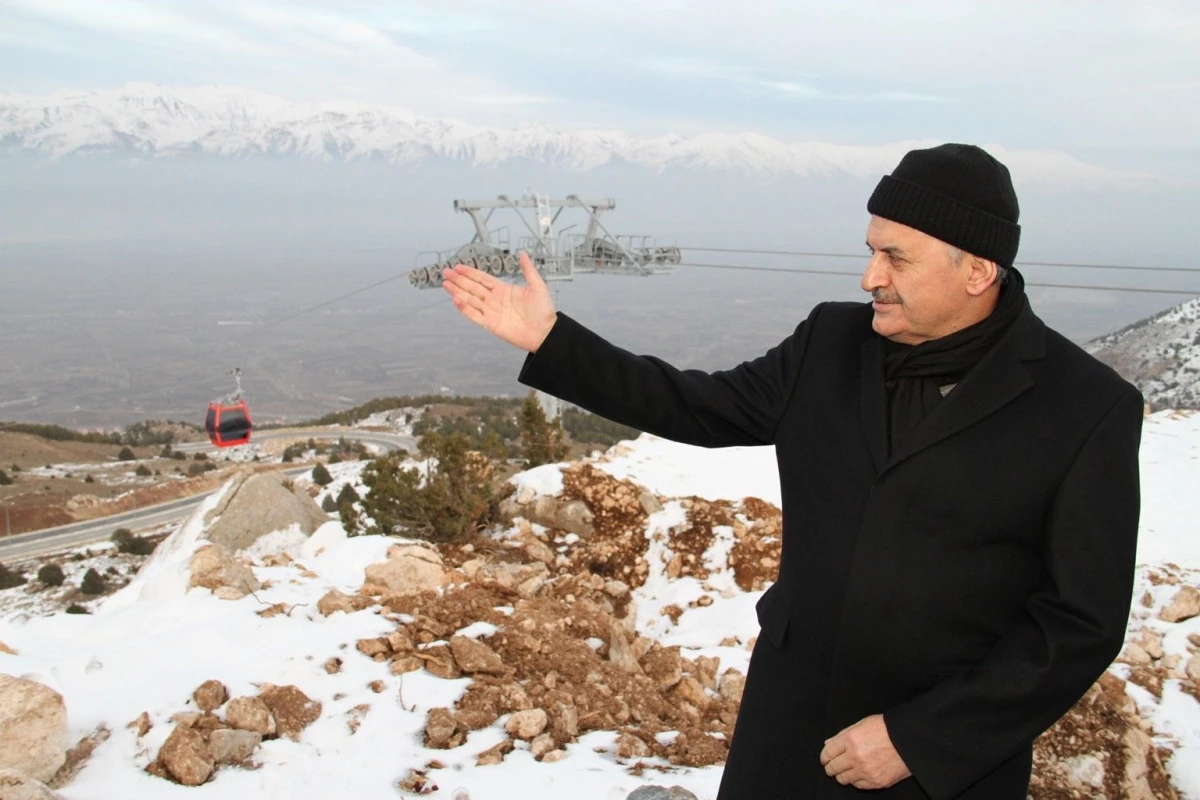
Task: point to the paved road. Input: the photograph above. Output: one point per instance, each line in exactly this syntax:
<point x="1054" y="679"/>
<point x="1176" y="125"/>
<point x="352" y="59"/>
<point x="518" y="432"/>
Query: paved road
<point x="49" y="540"/>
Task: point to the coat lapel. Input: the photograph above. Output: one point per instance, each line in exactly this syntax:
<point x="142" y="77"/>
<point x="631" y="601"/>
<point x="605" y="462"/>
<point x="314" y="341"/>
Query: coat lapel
<point x="873" y="402"/>
<point x="994" y="382"/>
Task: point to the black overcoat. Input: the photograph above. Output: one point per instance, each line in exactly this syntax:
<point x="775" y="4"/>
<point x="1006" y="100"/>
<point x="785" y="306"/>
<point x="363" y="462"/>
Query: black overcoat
<point x="970" y="586"/>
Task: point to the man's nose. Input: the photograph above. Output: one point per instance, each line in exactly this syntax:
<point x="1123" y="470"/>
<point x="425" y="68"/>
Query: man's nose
<point x="875" y="275"/>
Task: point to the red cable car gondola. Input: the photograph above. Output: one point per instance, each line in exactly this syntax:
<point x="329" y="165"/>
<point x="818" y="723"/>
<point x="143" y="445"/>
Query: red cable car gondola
<point x="228" y="420"/>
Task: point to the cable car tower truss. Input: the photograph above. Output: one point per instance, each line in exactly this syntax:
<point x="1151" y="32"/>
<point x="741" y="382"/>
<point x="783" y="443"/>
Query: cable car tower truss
<point x="558" y="257"/>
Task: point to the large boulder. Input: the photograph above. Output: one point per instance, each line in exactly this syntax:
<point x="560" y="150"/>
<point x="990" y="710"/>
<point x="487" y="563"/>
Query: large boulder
<point x="258" y="504"/>
<point x="15" y="786"/>
<point x="33" y="728"/>
<point x="409" y="568"/>
<point x="292" y="709"/>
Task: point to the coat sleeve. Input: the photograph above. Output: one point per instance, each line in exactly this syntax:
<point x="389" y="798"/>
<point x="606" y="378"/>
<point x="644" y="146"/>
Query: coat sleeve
<point x="740" y="406"/>
<point x="1071" y="630"/>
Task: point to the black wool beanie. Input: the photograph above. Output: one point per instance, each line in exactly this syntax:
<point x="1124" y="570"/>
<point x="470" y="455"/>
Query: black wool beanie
<point x="957" y="193"/>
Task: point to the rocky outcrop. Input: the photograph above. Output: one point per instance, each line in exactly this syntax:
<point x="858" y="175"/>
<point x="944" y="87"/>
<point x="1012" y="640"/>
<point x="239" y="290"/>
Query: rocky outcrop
<point x="334" y="601"/>
<point x="33" y="728"/>
<point x="258" y="504"/>
<point x="1184" y="605"/>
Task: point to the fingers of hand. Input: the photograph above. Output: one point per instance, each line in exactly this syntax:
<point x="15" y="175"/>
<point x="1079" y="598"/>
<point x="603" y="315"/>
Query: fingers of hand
<point x="835" y="767"/>
<point x="529" y="272"/>
<point x="465" y="284"/>
<point x="833" y="748"/>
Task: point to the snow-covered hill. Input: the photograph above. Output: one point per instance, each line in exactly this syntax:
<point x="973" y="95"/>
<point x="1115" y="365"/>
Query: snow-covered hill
<point x="375" y="729"/>
<point x="1160" y="354"/>
<point x="148" y="121"/>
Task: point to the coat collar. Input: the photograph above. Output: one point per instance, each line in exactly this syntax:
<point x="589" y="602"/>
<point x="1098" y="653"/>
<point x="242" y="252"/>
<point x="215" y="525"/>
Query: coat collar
<point x="994" y="382"/>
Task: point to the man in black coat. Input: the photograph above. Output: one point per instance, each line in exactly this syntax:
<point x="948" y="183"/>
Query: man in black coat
<point x="960" y="498"/>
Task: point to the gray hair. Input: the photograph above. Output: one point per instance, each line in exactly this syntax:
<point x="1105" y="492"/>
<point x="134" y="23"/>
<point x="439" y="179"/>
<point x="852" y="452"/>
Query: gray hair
<point x="956" y="256"/>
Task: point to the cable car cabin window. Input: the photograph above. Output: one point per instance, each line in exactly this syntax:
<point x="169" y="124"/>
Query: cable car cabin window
<point x="210" y="421"/>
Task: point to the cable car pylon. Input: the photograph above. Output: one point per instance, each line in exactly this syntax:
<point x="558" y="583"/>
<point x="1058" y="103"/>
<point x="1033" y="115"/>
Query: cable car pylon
<point x="557" y="257"/>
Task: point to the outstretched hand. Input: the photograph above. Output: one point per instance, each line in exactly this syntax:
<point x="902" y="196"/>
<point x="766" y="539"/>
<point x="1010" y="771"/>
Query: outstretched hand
<point x="520" y="315"/>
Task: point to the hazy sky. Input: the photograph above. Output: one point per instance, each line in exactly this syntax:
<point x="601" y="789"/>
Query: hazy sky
<point x="1113" y="80"/>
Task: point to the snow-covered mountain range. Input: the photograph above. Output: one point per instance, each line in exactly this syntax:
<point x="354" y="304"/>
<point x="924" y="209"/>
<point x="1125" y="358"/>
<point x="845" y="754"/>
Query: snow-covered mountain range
<point x="151" y="121"/>
<point x="1161" y="354"/>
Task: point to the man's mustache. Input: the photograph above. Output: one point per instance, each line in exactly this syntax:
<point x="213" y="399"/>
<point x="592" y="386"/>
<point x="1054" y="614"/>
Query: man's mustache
<point x="882" y="296"/>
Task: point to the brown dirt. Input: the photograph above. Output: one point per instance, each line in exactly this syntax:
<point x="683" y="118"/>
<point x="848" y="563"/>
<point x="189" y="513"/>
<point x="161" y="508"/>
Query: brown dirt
<point x="617" y="549"/>
<point x="549" y="665"/>
<point x="758" y="543"/>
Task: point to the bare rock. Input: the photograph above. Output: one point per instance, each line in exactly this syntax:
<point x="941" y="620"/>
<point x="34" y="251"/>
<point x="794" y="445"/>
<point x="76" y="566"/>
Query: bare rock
<point x="141" y="725"/>
<point x="475" y="657"/>
<point x="216" y="568"/>
<point x="494" y="754"/>
<point x="541" y="744"/>
<point x="186" y="719"/>
<point x="33" y="728"/>
<point x="250" y="714"/>
<point x="440" y="663"/>
<point x="664" y="666"/>
<point x="17" y="786"/>
<point x="376" y="646"/>
<point x="1134" y="654"/>
<point x="630" y="746"/>
<point x="258" y="504"/>
<point x="616" y="589"/>
<point x="400" y="641"/>
<point x="620" y="652"/>
<point x="403" y="664"/>
<point x="538" y="551"/>
<point x="733" y="683"/>
<point x="1151" y="642"/>
<point x="474" y="719"/>
<point x="565" y="722"/>
<point x="293" y="709"/>
<point x="440" y="726"/>
<point x="1184" y="605"/>
<point x="689" y="690"/>
<point x="527" y="724"/>
<point x="210" y="695"/>
<point x="572" y="516"/>
<point x="333" y="601"/>
<point x="186" y="757"/>
<point x="78" y="757"/>
<point x="660" y="793"/>
<point x="706" y="671"/>
<point x="7" y="650"/>
<point x="649" y="503"/>
<point x="553" y="756"/>
<point x="333" y="665"/>
<point x="510" y="576"/>
<point x="1192" y="670"/>
<point x="408" y="568"/>
<point x="233" y="746"/>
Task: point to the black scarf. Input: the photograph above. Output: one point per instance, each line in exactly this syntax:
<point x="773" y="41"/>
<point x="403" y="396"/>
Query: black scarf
<point x="915" y="375"/>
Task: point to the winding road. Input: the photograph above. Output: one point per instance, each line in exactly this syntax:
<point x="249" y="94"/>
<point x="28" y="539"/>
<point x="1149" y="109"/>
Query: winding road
<point x="62" y="537"/>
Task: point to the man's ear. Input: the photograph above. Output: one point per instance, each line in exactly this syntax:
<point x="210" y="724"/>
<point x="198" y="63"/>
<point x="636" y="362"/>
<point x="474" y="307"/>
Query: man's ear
<point x="982" y="276"/>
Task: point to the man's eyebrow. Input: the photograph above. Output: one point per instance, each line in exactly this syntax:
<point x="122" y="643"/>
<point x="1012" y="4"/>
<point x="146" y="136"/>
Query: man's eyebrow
<point x="891" y="249"/>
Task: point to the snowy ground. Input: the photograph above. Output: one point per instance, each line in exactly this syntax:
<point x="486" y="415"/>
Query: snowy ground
<point x="148" y="646"/>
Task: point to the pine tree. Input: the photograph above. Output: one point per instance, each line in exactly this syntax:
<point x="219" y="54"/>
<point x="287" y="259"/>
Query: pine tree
<point x="541" y="440"/>
<point x="92" y="583"/>
<point x="321" y="476"/>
